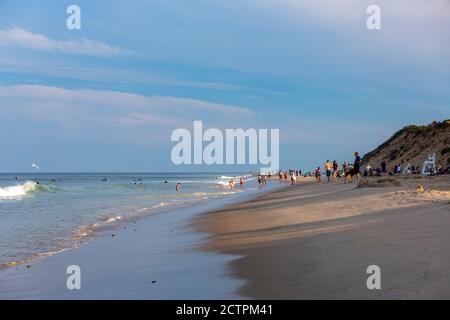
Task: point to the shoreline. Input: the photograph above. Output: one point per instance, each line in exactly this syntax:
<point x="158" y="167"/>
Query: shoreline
<point x="315" y="241"/>
<point x="83" y="234"/>
<point x="164" y="242"/>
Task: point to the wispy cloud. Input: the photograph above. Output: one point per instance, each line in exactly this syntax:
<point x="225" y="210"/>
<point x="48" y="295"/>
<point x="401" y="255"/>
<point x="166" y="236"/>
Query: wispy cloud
<point x="18" y="37"/>
<point x="118" y="99"/>
<point x="64" y="69"/>
<point x="70" y="108"/>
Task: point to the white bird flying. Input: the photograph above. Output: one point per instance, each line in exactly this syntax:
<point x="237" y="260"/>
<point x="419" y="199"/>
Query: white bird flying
<point x="35" y="166"/>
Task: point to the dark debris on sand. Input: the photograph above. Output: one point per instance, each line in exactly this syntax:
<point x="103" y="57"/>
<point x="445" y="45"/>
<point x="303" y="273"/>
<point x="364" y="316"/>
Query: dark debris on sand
<point x="384" y="182"/>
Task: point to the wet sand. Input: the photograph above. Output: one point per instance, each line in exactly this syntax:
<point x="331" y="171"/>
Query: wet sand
<point x="316" y="240"/>
<point x="156" y="257"/>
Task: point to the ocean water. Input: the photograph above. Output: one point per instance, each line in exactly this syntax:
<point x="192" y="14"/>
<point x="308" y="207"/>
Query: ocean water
<point x="43" y="213"/>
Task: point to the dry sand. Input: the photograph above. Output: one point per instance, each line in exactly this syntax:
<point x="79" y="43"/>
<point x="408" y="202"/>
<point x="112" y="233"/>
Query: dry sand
<point x="317" y="240"/>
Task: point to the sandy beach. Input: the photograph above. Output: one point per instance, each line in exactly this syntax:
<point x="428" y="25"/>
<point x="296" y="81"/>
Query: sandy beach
<point x="316" y="240"/>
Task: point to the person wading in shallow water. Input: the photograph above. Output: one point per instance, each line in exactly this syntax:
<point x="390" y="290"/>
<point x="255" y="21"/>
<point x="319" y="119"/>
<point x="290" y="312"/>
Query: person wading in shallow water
<point x="231" y="184"/>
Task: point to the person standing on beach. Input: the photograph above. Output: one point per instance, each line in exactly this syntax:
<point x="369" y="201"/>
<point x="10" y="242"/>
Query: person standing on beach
<point x="357" y="165"/>
<point x="383" y="167"/>
<point x="280" y="176"/>
<point x="318" y="174"/>
<point x="335" y="170"/>
<point x="178" y="186"/>
<point x="344" y="168"/>
<point x="328" y="169"/>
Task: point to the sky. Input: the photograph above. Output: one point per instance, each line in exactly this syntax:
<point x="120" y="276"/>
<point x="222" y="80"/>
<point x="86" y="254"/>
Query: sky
<point x="107" y="97"/>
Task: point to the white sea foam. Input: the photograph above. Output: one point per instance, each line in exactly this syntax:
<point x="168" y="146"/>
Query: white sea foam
<point x="223" y="184"/>
<point x="17" y="191"/>
<point x="226" y="177"/>
<point x="113" y="219"/>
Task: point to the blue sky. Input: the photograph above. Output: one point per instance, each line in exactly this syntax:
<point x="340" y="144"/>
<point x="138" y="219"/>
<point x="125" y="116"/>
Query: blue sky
<point x="107" y="97"/>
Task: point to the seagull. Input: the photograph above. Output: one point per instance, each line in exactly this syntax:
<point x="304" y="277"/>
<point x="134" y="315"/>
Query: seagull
<point x="35" y="166"/>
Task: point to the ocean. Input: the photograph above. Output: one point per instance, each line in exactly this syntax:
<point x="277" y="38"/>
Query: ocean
<point x="45" y="213"/>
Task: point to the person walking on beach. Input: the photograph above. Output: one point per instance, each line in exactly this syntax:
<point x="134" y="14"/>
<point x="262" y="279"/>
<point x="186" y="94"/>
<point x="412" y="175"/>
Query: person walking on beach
<point x="335" y="170"/>
<point x="318" y="174"/>
<point x="344" y="168"/>
<point x="328" y="169"/>
<point x="293" y="178"/>
<point x="357" y="165"/>
<point x="280" y="176"/>
<point x="383" y="167"/>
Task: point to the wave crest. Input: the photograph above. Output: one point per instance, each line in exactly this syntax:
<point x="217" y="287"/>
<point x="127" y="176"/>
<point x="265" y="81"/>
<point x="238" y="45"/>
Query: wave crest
<point x="18" y="190"/>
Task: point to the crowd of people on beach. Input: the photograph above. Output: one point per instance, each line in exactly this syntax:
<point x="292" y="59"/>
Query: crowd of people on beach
<point x="403" y="168"/>
<point x="350" y="171"/>
<point x="354" y="171"/>
<point x="289" y="176"/>
<point x="333" y="171"/>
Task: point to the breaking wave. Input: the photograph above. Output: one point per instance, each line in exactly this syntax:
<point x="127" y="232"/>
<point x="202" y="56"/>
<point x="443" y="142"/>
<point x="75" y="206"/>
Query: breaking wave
<point x="20" y="190"/>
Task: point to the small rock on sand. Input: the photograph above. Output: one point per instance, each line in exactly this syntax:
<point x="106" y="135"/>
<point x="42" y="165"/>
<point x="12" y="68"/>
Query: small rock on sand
<point x="420" y="189"/>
